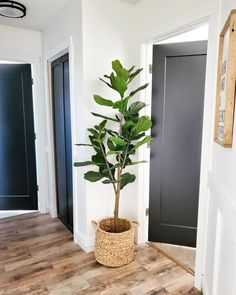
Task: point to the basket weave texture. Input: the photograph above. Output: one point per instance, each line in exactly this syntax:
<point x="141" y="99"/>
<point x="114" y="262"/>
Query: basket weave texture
<point x="114" y="249"/>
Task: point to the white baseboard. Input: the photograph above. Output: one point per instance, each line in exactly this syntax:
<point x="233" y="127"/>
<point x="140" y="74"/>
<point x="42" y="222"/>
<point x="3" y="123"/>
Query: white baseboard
<point x="87" y="245"/>
<point x="205" y="290"/>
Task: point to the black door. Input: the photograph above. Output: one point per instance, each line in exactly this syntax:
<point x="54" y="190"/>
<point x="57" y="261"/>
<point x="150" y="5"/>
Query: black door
<point x="62" y="139"/>
<point x="177" y="111"/>
<point x="18" y="181"/>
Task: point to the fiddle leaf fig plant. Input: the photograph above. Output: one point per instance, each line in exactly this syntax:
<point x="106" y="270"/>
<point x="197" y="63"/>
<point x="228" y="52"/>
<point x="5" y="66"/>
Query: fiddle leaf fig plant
<point x="114" y="147"/>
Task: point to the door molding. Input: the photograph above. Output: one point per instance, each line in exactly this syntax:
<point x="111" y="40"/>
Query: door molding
<point x="39" y="114"/>
<point x="50" y="130"/>
<point x="180" y="25"/>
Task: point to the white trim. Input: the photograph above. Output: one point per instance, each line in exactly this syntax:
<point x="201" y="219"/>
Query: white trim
<point x="38" y="107"/>
<point x="86" y="244"/>
<point x="54" y="53"/>
<point x="143" y="197"/>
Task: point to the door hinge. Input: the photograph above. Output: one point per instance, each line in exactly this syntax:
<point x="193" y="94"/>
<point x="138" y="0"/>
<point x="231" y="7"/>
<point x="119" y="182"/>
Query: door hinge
<point x="35" y="136"/>
<point x="147" y="211"/>
<point x="150" y="68"/>
<point x="32" y="81"/>
<point x="37" y="188"/>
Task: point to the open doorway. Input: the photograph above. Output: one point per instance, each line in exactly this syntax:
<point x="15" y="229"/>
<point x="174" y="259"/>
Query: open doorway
<point x="179" y="66"/>
<point x="18" y="177"/>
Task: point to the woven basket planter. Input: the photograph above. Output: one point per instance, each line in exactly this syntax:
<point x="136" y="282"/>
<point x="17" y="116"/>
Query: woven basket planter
<point x="114" y="249"/>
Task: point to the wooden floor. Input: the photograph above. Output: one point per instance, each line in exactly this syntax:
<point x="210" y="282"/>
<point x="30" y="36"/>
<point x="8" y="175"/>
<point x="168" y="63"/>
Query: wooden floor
<point x="38" y="256"/>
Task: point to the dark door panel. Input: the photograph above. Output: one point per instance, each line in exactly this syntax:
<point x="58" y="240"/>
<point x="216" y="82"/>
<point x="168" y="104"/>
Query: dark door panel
<point x="62" y="139"/>
<point x="18" y="181"/>
<point x="177" y="111"/>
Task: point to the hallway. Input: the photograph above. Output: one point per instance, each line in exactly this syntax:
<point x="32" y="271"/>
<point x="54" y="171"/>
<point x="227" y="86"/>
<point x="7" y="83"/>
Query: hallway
<point x="38" y="256"/>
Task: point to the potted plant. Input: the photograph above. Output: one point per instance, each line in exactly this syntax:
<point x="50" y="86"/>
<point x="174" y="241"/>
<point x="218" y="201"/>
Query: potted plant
<point x="114" y="147"/>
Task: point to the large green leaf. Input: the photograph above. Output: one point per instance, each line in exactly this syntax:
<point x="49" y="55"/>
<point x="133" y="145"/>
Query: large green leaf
<point x="145" y="140"/>
<point x="120" y="71"/>
<point x="104" y="117"/>
<point x="126" y="178"/>
<point x="102" y="101"/>
<point x="81" y="164"/>
<point x="135" y="107"/>
<point x="117" y="140"/>
<point x="119" y="84"/>
<point x="98" y="160"/>
<point x="93" y="176"/>
<point x="144" y="123"/>
<point x="138" y="89"/>
<point x="116" y="65"/>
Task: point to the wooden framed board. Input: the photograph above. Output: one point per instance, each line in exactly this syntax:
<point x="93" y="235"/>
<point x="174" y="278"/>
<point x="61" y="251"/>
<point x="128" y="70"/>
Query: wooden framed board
<point x="225" y="101"/>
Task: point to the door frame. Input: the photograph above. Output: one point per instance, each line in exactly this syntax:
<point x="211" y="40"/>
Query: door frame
<point x="181" y="26"/>
<point x="38" y="110"/>
<point x="58" y="51"/>
<point x="52" y="167"/>
<point x="54" y="203"/>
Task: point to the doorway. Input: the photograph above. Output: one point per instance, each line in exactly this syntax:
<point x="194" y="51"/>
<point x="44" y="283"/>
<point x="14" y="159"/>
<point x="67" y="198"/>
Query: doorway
<point x="62" y="139"/>
<point x="18" y="179"/>
<point x="177" y="109"/>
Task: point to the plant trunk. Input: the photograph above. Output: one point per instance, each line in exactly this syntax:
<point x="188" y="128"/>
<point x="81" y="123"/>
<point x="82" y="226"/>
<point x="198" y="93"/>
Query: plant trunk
<point x="117" y="200"/>
<point x="116" y="211"/>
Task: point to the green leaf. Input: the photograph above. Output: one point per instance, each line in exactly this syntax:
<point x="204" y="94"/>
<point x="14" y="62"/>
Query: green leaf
<point x="98" y="160"/>
<point x="139" y="136"/>
<point x="81" y="164"/>
<point x="121" y="104"/>
<point x="110" y="153"/>
<point x="145" y="140"/>
<point x="106" y="82"/>
<point x="102" y="101"/>
<point x="83" y="144"/>
<point x="133" y="75"/>
<point x="113" y="167"/>
<point x="139" y="89"/>
<point x="104" y="117"/>
<point x="136" y="163"/>
<point x="119" y="84"/>
<point x="135" y="107"/>
<point x="131" y="69"/>
<point x="111" y="145"/>
<point x="109" y="181"/>
<point x="93" y="131"/>
<point x="144" y="123"/>
<point x="116" y="65"/>
<point x="126" y="178"/>
<point x="120" y="71"/>
<point x="93" y="176"/>
<point x="102" y="125"/>
<point x="117" y="141"/>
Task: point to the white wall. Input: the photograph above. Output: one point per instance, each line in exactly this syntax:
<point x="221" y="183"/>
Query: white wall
<point x="22" y="45"/>
<point x="220" y="257"/>
<point x="106" y="36"/>
<point x="64" y="34"/>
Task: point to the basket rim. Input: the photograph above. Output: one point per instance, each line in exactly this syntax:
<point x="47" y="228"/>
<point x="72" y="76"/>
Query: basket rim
<point x="109" y="233"/>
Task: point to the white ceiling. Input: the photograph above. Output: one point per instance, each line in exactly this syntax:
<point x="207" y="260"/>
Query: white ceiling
<point x="131" y="1"/>
<point x="39" y="14"/>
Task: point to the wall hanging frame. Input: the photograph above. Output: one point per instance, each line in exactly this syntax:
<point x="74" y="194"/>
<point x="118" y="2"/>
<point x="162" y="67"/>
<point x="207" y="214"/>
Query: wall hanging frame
<point x="225" y="100"/>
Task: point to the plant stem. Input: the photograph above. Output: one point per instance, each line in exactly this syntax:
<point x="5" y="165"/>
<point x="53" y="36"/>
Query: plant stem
<point x="109" y="171"/>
